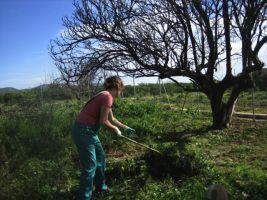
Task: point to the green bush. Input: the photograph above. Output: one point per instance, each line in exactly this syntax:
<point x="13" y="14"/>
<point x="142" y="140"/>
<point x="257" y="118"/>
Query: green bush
<point x="10" y="98"/>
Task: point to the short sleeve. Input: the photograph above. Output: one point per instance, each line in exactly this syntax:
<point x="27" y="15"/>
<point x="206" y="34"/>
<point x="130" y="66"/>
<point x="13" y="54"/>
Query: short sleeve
<point x="107" y="100"/>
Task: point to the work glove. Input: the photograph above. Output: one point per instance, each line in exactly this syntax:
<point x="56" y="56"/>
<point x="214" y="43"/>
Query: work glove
<point x="118" y="132"/>
<point x="130" y="131"/>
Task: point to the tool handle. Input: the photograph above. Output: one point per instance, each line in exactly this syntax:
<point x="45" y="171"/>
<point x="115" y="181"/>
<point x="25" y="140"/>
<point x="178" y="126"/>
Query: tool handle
<point x="140" y="144"/>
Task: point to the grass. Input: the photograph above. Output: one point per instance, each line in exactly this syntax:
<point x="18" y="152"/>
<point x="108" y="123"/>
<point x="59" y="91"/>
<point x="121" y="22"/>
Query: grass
<point x="235" y="158"/>
<point x="201" y="102"/>
<point x="40" y="161"/>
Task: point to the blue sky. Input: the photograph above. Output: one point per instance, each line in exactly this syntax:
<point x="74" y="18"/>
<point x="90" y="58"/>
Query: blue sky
<point x="27" y="26"/>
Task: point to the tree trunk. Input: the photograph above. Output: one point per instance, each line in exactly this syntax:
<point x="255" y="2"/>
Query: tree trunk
<point x="222" y="112"/>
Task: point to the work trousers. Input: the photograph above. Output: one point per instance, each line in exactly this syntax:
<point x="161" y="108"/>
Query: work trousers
<point x="92" y="158"/>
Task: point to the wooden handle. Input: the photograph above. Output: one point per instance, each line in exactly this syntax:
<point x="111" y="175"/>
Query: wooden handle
<point x="140" y="144"/>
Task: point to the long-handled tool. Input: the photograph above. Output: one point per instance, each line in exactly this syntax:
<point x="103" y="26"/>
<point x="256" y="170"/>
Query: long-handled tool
<point x="140" y="144"/>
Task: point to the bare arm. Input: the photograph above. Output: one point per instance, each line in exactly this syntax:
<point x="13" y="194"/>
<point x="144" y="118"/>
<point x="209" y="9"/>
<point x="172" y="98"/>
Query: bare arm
<point x="104" y="117"/>
<point x="115" y="121"/>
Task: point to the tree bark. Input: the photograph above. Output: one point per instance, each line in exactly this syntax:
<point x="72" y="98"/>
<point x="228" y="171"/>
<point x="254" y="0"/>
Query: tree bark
<point x="222" y="112"/>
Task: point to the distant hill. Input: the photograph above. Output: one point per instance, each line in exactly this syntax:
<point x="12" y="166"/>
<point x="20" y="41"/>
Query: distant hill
<point x="44" y="86"/>
<point x="8" y="89"/>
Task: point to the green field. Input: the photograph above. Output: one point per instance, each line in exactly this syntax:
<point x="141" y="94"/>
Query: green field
<point x="199" y="101"/>
<point x="38" y="158"/>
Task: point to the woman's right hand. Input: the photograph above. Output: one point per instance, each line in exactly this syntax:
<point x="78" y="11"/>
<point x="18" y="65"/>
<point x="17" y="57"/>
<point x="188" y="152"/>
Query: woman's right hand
<point x="117" y="130"/>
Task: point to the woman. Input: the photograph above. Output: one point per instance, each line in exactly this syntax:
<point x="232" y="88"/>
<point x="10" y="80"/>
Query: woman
<point x="95" y="113"/>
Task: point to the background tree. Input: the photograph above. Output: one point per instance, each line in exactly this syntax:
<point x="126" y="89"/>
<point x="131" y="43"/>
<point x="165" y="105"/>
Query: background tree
<point x="79" y="78"/>
<point x="260" y="79"/>
<point x="167" y="38"/>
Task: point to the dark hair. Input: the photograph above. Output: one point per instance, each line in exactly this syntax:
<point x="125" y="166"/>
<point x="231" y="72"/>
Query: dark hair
<point x="113" y="82"/>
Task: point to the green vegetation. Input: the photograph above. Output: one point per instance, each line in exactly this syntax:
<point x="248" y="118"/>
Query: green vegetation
<point x="38" y="159"/>
<point x="47" y="93"/>
<point x="150" y="89"/>
<point x="260" y="78"/>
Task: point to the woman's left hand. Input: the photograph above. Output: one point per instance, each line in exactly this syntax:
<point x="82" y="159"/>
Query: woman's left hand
<point x="130" y="131"/>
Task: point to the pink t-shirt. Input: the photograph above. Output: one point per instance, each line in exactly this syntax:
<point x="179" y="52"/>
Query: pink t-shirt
<point x="90" y="114"/>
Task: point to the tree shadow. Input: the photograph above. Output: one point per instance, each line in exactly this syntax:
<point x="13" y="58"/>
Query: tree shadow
<point x="182" y="137"/>
<point x="174" y="161"/>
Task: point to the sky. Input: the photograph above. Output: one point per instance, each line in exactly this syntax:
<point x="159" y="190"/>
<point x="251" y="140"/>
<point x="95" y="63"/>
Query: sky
<point x="27" y="26"/>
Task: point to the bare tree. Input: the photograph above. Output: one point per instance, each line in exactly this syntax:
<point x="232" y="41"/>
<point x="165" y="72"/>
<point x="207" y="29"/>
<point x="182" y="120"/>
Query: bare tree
<point x="168" y="38"/>
<point x="80" y="79"/>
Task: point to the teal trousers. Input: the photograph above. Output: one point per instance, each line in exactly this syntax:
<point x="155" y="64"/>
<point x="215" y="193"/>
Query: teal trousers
<point x="92" y="158"/>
